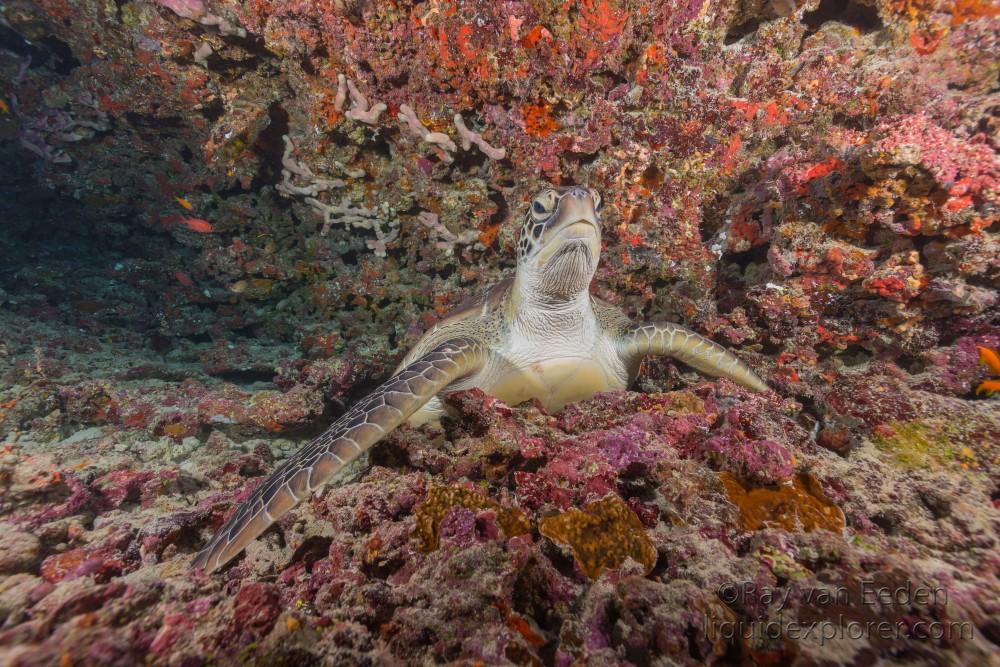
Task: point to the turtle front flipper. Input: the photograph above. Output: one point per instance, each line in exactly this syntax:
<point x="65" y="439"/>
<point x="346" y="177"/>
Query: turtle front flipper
<point x="701" y="354"/>
<point x="351" y="435"/>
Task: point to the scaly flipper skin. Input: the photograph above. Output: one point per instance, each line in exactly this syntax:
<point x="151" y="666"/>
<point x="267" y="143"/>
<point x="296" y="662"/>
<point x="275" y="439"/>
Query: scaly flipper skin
<point x="701" y="354"/>
<point x="351" y="435"/>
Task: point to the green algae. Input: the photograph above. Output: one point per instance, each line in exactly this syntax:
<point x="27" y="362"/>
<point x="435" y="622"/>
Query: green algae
<point x="782" y="565"/>
<point x="923" y="443"/>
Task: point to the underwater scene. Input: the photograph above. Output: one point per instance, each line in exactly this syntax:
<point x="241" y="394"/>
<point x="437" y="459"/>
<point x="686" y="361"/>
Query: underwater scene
<point x="499" y="332"/>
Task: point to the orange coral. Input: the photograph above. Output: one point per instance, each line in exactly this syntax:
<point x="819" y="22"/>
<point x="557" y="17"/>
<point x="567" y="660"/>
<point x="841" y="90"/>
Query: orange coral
<point x="969" y="10"/>
<point x="521" y="625"/>
<point x="538" y="34"/>
<point x="56" y="567"/>
<point x="925" y="43"/>
<point x="601" y="20"/>
<point x="440" y="499"/>
<point x="489" y="234"/>
<point x="799" y="505"/>
<point x="602" y="536"/>
<point x="729" y="154"/>
<point x="914" y="9"/>
<point x="538" y="120"/>
<point x="465" y="42"/>
<point x="174" y="430"/>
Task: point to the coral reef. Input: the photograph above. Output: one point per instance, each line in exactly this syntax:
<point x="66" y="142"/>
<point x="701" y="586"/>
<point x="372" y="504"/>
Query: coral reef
<point x="467" y="543"/>
<point x="223" y="222"/>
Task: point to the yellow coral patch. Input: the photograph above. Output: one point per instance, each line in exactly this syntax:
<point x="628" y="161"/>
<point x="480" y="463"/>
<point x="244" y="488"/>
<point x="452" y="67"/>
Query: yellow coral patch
<point x="602" y="536"/>
<point x="797" y="505"/>
<point x="683" y="403"/>
<point x="440" y="499"/>
<point x="174" y="430"/>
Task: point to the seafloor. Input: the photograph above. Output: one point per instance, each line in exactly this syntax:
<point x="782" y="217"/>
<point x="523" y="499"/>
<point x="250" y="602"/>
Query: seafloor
<point x="223" y="221"/>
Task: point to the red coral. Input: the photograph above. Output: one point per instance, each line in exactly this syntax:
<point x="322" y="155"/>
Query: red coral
<point x="256" y="609"/>
<point x="818" y="170"/>
<point x="102" y="563"/>
<point x="601" y="20"/>
<point x="121" y="486"/>
<point x="175" y="627"/>
<point x="897" y="283"/>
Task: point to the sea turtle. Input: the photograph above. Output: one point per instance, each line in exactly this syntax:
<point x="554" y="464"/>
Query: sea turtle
<point x="539" y="334"/>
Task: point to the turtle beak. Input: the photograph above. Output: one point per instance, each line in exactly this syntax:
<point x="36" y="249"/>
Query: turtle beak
<point x="576" y="206"/>
<point x="575" y="222"/>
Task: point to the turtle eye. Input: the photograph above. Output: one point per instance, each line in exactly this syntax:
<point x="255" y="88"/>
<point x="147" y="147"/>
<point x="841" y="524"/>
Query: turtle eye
<point x="543" y="205"/>
<point x="598" y="201"/>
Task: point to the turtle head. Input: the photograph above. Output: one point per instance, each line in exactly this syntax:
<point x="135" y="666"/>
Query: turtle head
<point x="560" y="241"/>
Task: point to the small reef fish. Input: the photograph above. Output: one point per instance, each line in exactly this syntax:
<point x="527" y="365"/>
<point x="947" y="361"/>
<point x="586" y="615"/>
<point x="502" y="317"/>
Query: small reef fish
<point x="184" y="279"/>
<point x="3" y="107"/>
<point x="991" y="360"/>
<point x="185" y="204"/>
<point x="198" y="225"/>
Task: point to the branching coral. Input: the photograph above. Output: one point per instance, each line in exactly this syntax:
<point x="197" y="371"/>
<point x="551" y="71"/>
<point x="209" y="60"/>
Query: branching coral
<point x="196" y="11"/>
<point x="202" y="53"/>
<point x="469" y="138"/>
<point x="345" y="213"/>
<point x="410" y="121"/>
<point x="290" y="168"/>
<point x="44" y="133"/>
<point x="448" y="239"/>
<point x="361" y="109"/>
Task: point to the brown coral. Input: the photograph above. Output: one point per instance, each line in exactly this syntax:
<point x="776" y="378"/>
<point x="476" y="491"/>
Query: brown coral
<point x="799" y="505"/>
<point x="602" y="536"/>
<point x="441" y="499"/>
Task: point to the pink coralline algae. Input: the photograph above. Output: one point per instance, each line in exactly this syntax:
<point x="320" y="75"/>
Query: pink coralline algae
<point x="762" y="460"/>
<point x="963" y="168"/>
